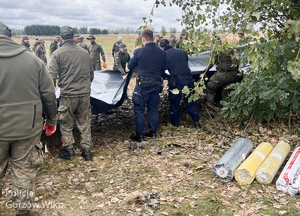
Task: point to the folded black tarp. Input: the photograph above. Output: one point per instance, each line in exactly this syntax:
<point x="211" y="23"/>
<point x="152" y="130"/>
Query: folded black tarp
<point x="108" y="90"/>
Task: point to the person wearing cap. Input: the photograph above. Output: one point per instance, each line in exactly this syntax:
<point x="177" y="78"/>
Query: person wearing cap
<point x="180" y="76"/>
<point x="37" y="42"/>
<point x="26" y="92"/>
<point x="40" y="51"/>
<point x="116" y="45"/>
<point x="25" y="43"/>
<point x="183" y="36"/>
<point x="95" y="51"/>
<point x="76" y="37"/>
<point x="53" y="45"/>
<point x="151" y="64"/>
<point x="121" y="58"/>
<point x="157" y="39"/>
<point x="80" y="42"/>
<point x="172" y="40"/>
<point x="72" y="65"/>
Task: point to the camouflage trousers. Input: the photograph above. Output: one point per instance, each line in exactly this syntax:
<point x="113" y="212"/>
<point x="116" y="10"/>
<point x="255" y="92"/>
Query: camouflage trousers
<point x="81" y="109"/>
<point x="25" y="157"/>
<point x="96" y="65"/>
<point x="217" y="81"/>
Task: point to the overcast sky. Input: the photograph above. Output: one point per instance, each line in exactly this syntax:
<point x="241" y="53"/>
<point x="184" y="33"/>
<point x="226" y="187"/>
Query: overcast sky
<point x="103" y="14"/>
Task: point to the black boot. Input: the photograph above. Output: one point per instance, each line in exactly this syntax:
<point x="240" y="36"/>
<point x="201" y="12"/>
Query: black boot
<point x="66" y="154"/>
<point x="175" y="124"/>
<point x="29" y="214"/>
<point x="138" y="137"/>
<point x="197" y="124"/>
<point x="150" y="134"/>
<point x="87" y="155"/>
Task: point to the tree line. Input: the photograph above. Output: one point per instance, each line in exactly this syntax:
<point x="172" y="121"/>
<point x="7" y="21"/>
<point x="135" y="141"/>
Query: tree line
<point x="50" y="30"/>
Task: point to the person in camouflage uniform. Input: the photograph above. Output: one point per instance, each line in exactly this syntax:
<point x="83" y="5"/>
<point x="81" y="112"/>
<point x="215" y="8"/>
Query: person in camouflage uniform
<point x="172" y="40"/>
<point x="157" y="40"/>
<point x="40" y="51"/>
<point x="73" y="66"/>
<point x="37" y="42"/>
<point x="121" y="58"/>
<point x="76" y="37"/>
<point x="95" y="51"/>
<point x="183" y="36"/>
<point x="82" y="44"/>
<point x="227" y="69"/>
<point x="53" y="45"/>
<point x="26" y="91"/>
<point x="25" y="43"/>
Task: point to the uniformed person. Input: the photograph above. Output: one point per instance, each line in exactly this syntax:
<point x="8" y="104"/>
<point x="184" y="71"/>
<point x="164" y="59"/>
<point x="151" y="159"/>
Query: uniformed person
<point x="26" y="91"/>
<point x="121" y="58"/>
<point x="80" y="42"/>
<point x="53" y="45"/>
<point x="40" y="51"/>
<point x="183" y="36"/>
<point x="72" y="65"/>
<point x="151" y="63"/>
<point x="76" y="37"/>
<point x="180" y="76"/>
<point x="25" y="43"/>
<point x="37" y="42"/>
<point x="95" y="51"/>
<point x="157" y="39"/>
<point x="116" y="46"/>
<point x="172" y="40"/>
<point x="227" y="69"/>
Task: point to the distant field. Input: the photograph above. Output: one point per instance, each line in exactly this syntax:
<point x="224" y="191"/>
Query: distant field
<point x="106" y="41"/>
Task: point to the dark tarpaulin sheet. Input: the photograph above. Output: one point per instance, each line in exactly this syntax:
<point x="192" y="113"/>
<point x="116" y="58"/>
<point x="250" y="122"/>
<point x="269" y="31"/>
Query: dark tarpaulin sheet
<point x="108" y="90"/>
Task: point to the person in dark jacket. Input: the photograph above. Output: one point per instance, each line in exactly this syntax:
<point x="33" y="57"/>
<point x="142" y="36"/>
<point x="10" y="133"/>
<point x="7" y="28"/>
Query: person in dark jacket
<point x="73" y="66"/>
<point x="25" y="43"/>
<point x="116" y="46"/>
<point x="26" y="91"/>
<point x="151" y="63"/>
<point x="180" y="76"/>
<point x="37" y="42"/>
<point x="53" y="45"/>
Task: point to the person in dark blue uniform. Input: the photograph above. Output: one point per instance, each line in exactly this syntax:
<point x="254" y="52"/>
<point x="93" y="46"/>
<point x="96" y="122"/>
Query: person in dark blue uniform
<point x="151" y="63"/>
<point x="180" y="76"/>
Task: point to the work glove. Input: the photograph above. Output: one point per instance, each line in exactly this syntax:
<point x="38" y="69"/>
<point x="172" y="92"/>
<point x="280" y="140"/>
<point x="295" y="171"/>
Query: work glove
<point x="104" y="64"/>
<point x="49" y="130"/>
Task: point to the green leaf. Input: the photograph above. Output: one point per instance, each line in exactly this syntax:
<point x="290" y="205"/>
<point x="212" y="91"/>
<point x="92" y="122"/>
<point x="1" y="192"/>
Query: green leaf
<point x="185" y="90"/>
<point x="175" y="91"/>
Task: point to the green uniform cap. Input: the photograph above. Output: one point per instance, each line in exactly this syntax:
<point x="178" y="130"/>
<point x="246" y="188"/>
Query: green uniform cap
<point x="5" y="30"/>
<point x="25" y="37"/>
<point x="66" y="30"/>
<point x="90" y="37"/>
<point x="123" y="46"/>
<point x="41" y="40"/>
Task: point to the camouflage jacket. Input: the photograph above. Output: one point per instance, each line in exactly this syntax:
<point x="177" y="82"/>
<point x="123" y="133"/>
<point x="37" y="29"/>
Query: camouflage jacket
<point x="120" y="62"/>
<point x="26" y="91"/>
<point x="95" y="51"/>
<point x="40" y="52"/>
<point x="116" y="47"/>
<point x="73" y="66"/>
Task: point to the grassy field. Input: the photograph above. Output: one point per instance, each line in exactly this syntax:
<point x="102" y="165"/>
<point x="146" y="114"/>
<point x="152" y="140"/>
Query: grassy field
<point x="169" y="175"/>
